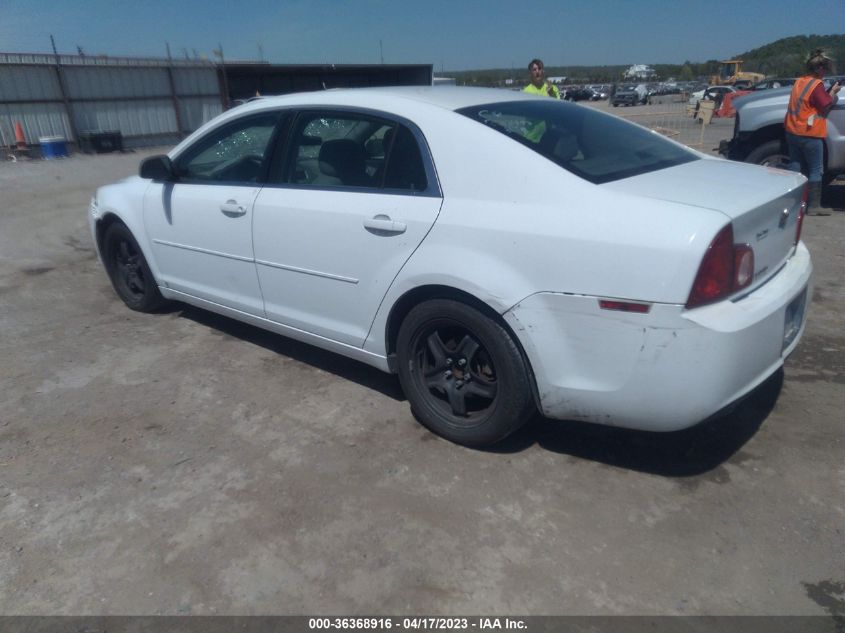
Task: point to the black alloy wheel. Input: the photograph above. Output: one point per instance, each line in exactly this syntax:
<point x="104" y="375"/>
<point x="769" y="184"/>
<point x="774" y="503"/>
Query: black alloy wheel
<point x="464" y="376"/>
<point x="128" y="270"/>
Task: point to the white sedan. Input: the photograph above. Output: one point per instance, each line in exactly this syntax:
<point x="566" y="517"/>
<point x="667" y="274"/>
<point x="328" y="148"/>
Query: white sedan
<point x="503" y="253"/>
<point x="712" y="93"/>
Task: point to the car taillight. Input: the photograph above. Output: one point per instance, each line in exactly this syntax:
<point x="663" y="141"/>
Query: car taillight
<point x="802" y="211"/>
<point x="726" y="268"/>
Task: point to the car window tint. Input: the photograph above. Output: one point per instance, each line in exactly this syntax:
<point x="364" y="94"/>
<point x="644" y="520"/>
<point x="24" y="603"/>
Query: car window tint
<point x="235" y="153"/>
<point x="595" y="146"/>
<point x="338" y="150"/>
<point x="405" y="168"/>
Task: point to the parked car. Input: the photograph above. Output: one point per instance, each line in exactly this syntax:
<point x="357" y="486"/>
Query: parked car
<point x="669" y="88"/>
<point x="774" y="82"/>
<point x="238" y="102"/>
<point x="653" y="90"/>
<point x="629" y="94"/>
<point x="412" y="229"/>
<point x="577" y="93"/>
<point x="713" y="93"/>
<point x="599" y="92"/>
<point x="759" y="137"/>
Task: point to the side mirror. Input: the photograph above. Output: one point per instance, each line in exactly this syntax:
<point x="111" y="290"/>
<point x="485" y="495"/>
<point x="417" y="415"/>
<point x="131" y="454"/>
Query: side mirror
<point x="157" y="168"/>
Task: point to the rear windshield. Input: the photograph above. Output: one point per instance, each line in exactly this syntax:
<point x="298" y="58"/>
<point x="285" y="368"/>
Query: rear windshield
<point x="595" y="146"/>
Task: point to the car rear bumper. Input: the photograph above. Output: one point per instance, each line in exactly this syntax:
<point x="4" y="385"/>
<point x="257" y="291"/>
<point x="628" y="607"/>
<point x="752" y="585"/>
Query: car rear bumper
<point x="665" y="370"/>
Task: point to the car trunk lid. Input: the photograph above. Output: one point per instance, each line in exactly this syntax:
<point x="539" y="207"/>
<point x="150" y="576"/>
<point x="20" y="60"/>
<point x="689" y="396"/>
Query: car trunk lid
<point x="762" y="203"/>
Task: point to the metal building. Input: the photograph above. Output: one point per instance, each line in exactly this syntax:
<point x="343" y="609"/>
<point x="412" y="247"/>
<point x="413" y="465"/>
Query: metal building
<point x="154" y="101"/>
<point x="245" y="80"/>
<point x="148" y="101"/>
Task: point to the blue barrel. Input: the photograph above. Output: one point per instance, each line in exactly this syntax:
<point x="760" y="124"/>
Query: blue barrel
<point x="53" y="147"/>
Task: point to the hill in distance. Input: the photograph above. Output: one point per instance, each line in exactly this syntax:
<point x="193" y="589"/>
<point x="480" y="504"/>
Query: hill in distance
<point x="782" y="58"/>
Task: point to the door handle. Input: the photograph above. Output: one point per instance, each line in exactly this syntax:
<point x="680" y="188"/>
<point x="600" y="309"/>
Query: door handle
<point x="383" y="224"/>
<point x="232" y="208"/>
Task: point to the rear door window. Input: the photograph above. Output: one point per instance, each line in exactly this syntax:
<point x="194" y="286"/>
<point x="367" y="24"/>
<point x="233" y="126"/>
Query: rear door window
<point x="329" y="149"/>
<point x="405" y="168"/>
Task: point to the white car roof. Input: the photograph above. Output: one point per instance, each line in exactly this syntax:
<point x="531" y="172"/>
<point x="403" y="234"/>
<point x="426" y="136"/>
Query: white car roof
<point x="402" y="100"/>
<point x="446" y="97"/>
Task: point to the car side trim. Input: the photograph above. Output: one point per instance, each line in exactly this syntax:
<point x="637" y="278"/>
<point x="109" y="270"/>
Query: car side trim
<point x="239" y="258"/>
<point x="306" y="271"/>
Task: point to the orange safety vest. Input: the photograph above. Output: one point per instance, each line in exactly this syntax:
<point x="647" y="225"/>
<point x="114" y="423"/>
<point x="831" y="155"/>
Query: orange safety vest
<point x="802" y="118"/>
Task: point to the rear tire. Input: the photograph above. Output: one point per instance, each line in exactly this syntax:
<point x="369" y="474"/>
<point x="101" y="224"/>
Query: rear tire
<point x="128" y="270"/>
<point x="463" y="374"/>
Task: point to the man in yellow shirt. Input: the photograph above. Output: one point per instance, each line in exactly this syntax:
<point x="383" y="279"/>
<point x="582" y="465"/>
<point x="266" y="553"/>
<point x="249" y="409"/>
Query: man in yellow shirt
<point x="539" y="85"/>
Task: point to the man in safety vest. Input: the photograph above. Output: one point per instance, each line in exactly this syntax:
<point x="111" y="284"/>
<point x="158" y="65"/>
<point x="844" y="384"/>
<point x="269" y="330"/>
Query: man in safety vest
<point x="539" y="85"/>
<point x="806" y="125"/>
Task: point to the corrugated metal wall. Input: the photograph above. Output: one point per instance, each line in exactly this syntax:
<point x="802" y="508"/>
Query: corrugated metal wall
<point x="27" y="96"/>
<point x="154" y="101"/>
<point x="196" y="109"/>
<point x="150" y="102"/>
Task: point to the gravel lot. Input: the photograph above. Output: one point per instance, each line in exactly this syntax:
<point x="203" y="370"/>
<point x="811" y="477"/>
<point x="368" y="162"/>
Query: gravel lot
<point x="183" y="463"/>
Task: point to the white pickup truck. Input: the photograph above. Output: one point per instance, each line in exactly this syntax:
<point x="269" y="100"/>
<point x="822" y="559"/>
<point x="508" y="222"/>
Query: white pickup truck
<point x="758" y="131"/>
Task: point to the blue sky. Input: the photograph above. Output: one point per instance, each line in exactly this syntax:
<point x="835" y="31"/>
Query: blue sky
<point x="452" y="35"/>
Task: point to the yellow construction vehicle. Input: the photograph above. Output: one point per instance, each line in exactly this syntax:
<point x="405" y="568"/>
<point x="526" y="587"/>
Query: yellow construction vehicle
<point x="730" y="72"/>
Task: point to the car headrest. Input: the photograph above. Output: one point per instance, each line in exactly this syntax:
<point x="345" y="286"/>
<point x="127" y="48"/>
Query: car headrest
<point x="344" y="159"/>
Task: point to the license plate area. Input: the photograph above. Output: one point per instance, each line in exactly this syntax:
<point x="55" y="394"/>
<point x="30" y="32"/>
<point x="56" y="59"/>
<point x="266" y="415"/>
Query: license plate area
<point x="794" y="318"/>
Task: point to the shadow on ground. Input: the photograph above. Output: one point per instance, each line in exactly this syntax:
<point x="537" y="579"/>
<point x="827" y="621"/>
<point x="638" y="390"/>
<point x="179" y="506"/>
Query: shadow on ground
<point x="833" y="195"/>
<point x="684" y="453"/>
<point x="346" y="368"/>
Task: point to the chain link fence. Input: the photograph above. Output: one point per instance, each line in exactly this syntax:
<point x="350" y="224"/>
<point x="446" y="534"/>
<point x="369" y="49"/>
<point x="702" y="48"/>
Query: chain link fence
<point x="675" y="118"/>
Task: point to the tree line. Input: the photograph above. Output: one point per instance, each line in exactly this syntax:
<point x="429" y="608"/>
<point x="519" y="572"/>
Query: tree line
<point x="782" y="58"/>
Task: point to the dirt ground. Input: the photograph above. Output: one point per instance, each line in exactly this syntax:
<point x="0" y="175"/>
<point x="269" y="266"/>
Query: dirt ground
<point x="183" y="463"/>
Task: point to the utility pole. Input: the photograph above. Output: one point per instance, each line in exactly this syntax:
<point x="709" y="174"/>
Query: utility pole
<point x="63" y="88"/>
<point x="381" y="51"/>
<point x="174" y="97"/>
<point x="219" y="53"/>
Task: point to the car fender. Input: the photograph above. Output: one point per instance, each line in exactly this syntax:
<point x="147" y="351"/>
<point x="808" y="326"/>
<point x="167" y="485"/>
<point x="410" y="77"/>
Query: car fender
<point x="835" y="141"/>
<point x="124" y="201"/>
<point x="430" y="269"/>
<point x="763" y="108"/>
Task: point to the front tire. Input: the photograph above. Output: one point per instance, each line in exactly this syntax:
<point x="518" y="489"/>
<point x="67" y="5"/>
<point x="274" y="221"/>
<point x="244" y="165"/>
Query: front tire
<point x="463" y="374"/>
<point x="128" y="270"/>
<point x="771" y="154"/>
<point x="776" y="154"/>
